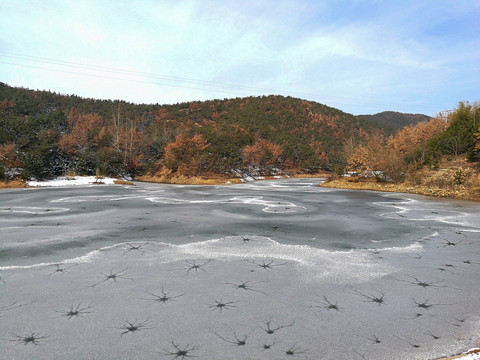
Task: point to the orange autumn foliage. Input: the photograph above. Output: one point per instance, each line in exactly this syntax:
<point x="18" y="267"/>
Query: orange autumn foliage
<point x="9" y="157"/>
<point x="366" y="157"/>
<point x="186" y="156"/>
<point x="408" y="138"/>
<point x="262" y="153"/>
<point x="82" y="134"/>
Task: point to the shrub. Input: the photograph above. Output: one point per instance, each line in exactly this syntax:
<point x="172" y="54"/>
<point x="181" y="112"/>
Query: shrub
<point x="3" y="175"/>
<point x="449" y="178"/>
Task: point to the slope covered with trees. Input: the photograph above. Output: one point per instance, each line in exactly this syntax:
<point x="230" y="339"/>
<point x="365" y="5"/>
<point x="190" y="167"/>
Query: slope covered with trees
<point x="440" y="156"/>
<point x="45" y="134"/>
<point x="391" y="121"/>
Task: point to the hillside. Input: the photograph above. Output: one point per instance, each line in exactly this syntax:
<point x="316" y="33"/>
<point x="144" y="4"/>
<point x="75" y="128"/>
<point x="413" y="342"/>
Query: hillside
<point x="392" y="121"/>
<point x="46" y="134"/>
<point x="437" y="157"/>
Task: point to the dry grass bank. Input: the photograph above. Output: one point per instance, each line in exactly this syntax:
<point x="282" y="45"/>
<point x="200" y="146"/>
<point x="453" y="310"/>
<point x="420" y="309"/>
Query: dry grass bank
<point x="213" y="180"/>
<point x="13" y="184"/>
<point x="321" y="174"/>
<point x="186" y="180"/>
<point x="453" y="179"/>
<point x="165" y="176"/>
<point x="460" y="192"/>
<point x="123" y="182"/>
<point x="169" y="178"/>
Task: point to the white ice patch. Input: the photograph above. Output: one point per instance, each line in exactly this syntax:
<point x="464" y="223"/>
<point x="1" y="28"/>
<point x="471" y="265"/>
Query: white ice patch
<point x="412" y="248"/>
<point x="416" y="210"/>
<point x="172" y="201"/>
<point x="87" y="258"/>
<point x="269" y="206"/>
<point x="344" y="266"/>
<point x="33" y="210"/>
<point x="347" y="267"/>
<point x="93" y="198"/>
<point x="306" y="187"/>
<point x="401" y="206"/>
<point x="34" y="226"/>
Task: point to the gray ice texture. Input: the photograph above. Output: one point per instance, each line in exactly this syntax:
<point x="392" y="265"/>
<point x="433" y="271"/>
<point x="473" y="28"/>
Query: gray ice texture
<point x="267" y="270"/>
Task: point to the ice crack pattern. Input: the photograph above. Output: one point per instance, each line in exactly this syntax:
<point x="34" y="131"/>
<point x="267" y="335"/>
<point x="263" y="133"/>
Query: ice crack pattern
<point x="230" y="273"/>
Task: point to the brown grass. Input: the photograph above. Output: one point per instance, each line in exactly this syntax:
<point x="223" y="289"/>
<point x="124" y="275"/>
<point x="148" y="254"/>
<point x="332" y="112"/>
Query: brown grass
<point x="460" y="192"/>
<point x="123" y="182"/>
<point x="455" y="178"/>
<point x="167" y="177"/>
<point x="321" y="174"/>
<point x="187" y="180"/>
<point x="13" y="184"/>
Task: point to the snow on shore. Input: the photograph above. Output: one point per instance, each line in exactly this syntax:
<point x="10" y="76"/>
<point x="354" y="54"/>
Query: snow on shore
<point x="472" y="354"/>
<point x="73" y="180"/>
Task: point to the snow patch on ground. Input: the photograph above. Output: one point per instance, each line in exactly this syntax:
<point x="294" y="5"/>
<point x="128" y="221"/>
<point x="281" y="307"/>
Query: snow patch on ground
<point x="73" y="180"/>
<point x="472" y="354"/>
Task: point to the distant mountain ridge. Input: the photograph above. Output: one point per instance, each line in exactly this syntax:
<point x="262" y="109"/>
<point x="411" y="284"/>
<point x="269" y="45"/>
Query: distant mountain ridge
<point x="392" y="121"/>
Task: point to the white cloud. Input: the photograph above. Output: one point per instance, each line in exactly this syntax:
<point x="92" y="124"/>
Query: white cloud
<point x="370" y="50"/>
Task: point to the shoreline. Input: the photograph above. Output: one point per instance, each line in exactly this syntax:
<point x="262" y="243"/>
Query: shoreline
<point x="63" y="181"/>
<point x="218" y="179"/>
<point x="460" y="193"/>
<point x="169" y="179"/>
<point x="471" y="354"/>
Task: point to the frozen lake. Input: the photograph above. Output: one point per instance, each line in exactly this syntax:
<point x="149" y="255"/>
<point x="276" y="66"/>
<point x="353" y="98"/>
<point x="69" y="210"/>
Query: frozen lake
<point x="265" y="270"/>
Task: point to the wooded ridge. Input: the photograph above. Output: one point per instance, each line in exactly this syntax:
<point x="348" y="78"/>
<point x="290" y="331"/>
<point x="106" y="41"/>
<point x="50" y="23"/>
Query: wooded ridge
<point x="44" y="134"/>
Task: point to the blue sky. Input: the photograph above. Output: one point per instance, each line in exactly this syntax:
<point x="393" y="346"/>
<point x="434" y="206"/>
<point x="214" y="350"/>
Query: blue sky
<point x="361" y="56"/>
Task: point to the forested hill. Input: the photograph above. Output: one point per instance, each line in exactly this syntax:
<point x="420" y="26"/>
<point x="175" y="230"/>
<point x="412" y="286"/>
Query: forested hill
<point x="46" y="134"/>
<point x="392" y="121"/>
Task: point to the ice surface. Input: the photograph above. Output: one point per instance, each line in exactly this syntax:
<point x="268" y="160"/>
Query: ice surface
<point x="267" y="270"/>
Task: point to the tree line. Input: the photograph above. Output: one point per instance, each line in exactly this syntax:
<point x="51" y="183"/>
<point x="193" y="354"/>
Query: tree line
<point x="44" y="134"/>
<point x="417" y="146"/>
